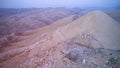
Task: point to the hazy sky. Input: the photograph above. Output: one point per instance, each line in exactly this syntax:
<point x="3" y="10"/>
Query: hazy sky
<point x="58" y="3"/>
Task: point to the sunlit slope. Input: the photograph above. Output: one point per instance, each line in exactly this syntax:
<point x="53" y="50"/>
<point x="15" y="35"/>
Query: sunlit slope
<point x="99" y="25"/>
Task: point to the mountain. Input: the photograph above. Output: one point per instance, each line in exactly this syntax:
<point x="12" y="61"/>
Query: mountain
<point x="73" y="42"/>
<point x="30" y="19"/>
<point x="97" y="24"/>
<point x="20" y="20"/>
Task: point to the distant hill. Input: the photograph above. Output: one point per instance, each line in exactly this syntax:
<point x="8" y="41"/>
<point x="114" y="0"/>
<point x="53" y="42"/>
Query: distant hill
<point x="5" y="12"/>
<point x="27" y="19"/>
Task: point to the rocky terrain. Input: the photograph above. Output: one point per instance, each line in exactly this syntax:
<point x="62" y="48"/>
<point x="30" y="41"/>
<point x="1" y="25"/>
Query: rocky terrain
<point x="88" y="41"/>
<point x="24" y="19"/>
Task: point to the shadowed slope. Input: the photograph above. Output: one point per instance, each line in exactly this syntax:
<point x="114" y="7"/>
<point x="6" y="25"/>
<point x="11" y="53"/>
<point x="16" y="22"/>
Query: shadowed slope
<point x="115" y="14"/>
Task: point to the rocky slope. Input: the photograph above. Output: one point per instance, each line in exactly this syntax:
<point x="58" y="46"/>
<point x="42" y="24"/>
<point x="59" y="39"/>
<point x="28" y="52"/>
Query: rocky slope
<point x="90" y="41"/>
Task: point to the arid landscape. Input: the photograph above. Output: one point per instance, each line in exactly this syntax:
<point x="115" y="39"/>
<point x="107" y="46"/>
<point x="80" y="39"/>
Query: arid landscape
<point x="59" y="38"/>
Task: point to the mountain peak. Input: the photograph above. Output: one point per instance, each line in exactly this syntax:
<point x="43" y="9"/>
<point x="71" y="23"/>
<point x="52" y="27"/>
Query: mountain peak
<point x="99" y="25"/>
